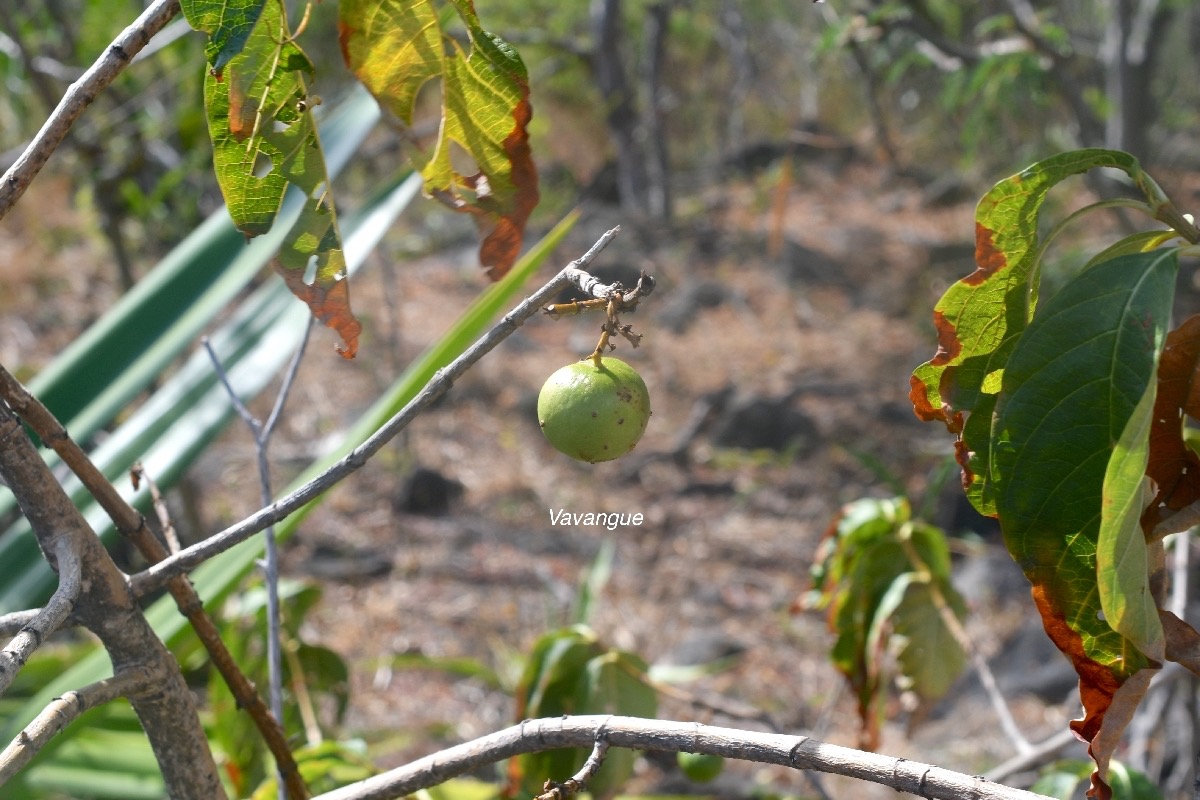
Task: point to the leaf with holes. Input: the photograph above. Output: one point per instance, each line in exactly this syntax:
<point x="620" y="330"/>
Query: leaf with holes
<point x="228" y="24"/>
<point x="395" y="47"/>
<point x="265" y="140"/>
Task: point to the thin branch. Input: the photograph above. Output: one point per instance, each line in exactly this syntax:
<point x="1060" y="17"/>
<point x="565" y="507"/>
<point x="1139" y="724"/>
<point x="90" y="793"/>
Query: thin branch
<point x="1030" y="759"/>
<point x="586" y="283"/>
<point x="261" y="433"/>
<point x="60" y="713"/>
<point x="47" y="620"/>
<point x="79" y="96"/>
<point x="571" y="787"/>
<point x="12" y="622"/>
<point x="189" y="558"/>
<point x="138" y="473"/>
<point x="131" y="524"/>
<point x="797" y="752"/>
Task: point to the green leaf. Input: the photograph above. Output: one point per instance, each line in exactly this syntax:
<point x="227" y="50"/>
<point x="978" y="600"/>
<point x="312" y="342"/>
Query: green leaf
<point x="1122" y="555"/>
<point x="548" y="684"/>
<point x="324" y="767"/>
<point x="228" y="24"/>
<point x="880" y="599"/>
<point x="981" y="317"/>
<point x="613" y="683"/>
<point x="1071" y="389"/>
<point x="395" y="47"/>
<point x="463" y="789"/>
<point x="265" y="139"/>
<point x="459" y="667"/>
<point x="548" y="689"/>
<point x="595" y="578"/>
<point x="929" y="657"/>
<point x="1141" y="242"/>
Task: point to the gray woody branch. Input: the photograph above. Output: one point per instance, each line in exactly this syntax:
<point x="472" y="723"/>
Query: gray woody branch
<point x="797" y="752"/>
<point x="107" y="608"/>
<point x="45" y="621"/>
<point x="60" y="713"/>
<point x="79" y="96"/>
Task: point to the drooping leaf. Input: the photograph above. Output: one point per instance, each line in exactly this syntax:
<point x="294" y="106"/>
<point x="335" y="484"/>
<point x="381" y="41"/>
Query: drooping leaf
<point x="929" y="657"/>
<point x="228" y="24"/>
<point x="1123" y="557"/>
<point x="1070" y="389"/>
<point x="395" y="47"/>
<point x="879" y="593"/>
<point x="981" y="317"/>
<point x="264" y="140"/>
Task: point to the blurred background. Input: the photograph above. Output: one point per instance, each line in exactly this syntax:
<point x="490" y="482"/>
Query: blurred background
<point x="799" y="177"/>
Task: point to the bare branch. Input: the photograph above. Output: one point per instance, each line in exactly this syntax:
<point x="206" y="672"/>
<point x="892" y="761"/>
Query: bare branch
<point x="61" y="712"/>
<point x="797" y="752"/>
<point x="1030" y="759"/>
<point x="46" y="621"/>
<point x="106" y="607"/>
<point x="261" y="433"/>
<point x="12" y="622"/>
<point x="138" y="473"/>
<point x="79" y="96"/>
<point x="158" y="574"/>
<point x="131" y="524"/>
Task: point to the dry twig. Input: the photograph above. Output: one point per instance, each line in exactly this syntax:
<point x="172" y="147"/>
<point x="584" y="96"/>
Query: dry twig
<point x="571" y="787"/>
<point x="61" y="712"/>
<point x="131" y="524"/>
<point x="47" y="620"/>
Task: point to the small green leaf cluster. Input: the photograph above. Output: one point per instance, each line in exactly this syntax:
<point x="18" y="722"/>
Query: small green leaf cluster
<point x="571" y="672"/>
<point x="881" y="576"/>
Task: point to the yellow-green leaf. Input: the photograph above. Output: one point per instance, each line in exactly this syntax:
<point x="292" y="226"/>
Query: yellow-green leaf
<point x="395" y="47"/>
<point x="265" y="140"/>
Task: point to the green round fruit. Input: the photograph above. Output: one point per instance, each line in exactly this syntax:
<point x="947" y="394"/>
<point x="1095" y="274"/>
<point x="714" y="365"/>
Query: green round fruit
<point x="594" y="413"/>
<point x="700" y="767"/>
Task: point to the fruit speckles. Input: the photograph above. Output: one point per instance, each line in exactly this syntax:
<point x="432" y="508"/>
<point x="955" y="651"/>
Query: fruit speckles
<point x="594" y="413"/>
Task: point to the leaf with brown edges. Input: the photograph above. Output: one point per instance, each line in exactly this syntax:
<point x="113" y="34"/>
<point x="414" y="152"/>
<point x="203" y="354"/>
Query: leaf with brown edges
<point x="980" y="318"/>
<point x="395" y="47"/>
